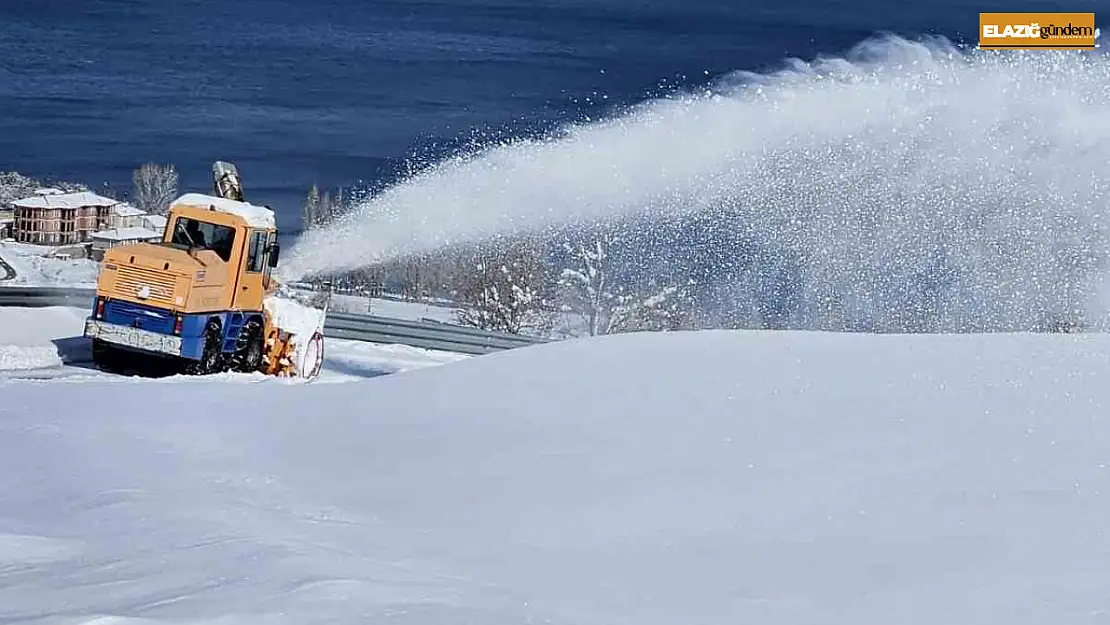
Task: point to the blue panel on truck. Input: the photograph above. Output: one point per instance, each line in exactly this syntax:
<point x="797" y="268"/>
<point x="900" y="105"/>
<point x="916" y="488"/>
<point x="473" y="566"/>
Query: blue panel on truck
<point x="192" y="345"/>
<point x="139" y="316"/>
<point x="192" y="335"/>
<point x="192" y="332"/>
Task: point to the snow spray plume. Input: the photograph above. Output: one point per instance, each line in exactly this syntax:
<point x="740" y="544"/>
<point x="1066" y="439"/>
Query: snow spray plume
<point x="906" y="170"/>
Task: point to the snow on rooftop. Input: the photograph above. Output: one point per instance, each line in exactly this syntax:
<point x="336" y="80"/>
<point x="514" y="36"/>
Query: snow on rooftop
<point x="687" y="477"/>
<point x="126" y="234"/>
<point x="65" y="200"/>
<point x="155" y="222"/>
<point x="256" y="216"/>
<point x="127" y="210"/>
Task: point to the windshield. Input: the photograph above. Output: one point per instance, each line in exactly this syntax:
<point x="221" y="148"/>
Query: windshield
<point x="203" y="235"/>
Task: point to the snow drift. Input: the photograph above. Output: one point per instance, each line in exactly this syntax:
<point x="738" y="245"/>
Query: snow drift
<point x="696" y="478"/>
<point x="38" y="338"/>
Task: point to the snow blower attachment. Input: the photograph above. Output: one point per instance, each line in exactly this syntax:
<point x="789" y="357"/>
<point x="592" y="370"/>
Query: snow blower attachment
<point x="294" y="337"/>
<point x="225" y="178"/>
<point x="204" y="296"/>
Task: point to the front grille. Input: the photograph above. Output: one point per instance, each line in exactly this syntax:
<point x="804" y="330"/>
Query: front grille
<point x="131" y="279"/>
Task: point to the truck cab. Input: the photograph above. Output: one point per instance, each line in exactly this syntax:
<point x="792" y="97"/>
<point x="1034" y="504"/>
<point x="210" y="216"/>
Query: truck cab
<point x="196" y="296"/>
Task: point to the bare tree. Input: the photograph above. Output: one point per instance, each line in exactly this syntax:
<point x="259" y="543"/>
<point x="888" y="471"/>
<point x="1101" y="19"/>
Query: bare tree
<point x="500" y="287"/>
<point x="412" y="277"/>
<point x="311" y="209"/>
<point x="435" y="274"/>
<point x="337" y="204"/>
<point x="155" y="186"/>
<point x="319" y="209"/>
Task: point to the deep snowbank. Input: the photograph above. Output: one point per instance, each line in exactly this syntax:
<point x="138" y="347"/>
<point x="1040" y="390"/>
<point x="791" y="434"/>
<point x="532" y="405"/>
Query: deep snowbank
<point x="36" y="338"/>
<point x="686" y="478"/>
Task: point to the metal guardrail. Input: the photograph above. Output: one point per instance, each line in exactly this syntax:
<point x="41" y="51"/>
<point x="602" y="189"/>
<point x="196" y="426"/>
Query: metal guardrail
<point x="350" y="326"/>
<point x="424" y="334"/>
<point x="39" y="297"/>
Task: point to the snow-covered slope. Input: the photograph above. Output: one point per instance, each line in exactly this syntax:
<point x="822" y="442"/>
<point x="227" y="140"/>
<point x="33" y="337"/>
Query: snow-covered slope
<point x="714" y="477"/>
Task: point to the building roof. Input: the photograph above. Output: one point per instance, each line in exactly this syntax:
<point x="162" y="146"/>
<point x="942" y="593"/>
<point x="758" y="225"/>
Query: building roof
<point x="65" y="200"/>
<point x="126" y="234"/>
<point x="127" y="210"/>
<point x="158" y="221"/>
<point x="255" y="216"/>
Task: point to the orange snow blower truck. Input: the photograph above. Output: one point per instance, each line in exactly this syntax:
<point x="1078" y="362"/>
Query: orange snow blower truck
<point x="203" y="296"/>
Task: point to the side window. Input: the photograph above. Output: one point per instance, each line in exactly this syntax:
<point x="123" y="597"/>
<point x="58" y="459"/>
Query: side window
<point x="266" y="257"/>
<point x="255" y="256"/>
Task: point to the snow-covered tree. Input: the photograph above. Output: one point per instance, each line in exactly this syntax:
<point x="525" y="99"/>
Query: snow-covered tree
<point x="587" y="284"/>
<point x="501" y="287"/>
<point x="155" y="187"/>
<point x="15" y="186"/>
<point x="612" y="301"/>
<point x="669" y="308"/>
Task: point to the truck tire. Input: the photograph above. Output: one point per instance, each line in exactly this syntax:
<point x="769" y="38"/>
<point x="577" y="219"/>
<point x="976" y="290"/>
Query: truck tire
<point x="212" y="359"/>
<point x="248" y="351"/>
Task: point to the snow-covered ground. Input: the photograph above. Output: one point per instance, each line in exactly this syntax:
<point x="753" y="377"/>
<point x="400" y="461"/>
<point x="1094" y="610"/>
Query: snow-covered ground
<point x="46" y="343"/>
<point x="693" y="478"/>
<point x="34" y="266"/>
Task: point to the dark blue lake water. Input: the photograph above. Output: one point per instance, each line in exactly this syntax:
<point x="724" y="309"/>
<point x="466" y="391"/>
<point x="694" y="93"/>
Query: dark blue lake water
<point x="337" y="91"/>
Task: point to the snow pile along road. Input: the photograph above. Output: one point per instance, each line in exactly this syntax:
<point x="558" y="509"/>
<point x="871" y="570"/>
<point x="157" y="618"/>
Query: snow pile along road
<point x="695" y="478"/>
<point x="41" y="338"/>
<point x="19" y="357"/>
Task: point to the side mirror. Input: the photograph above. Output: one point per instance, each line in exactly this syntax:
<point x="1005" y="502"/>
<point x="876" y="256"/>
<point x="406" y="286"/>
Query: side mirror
<point x="275" y="251"/>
